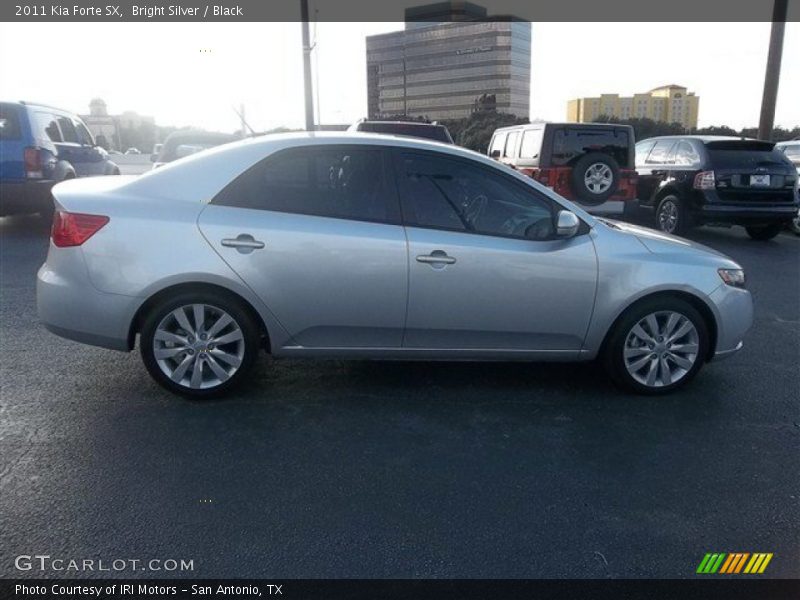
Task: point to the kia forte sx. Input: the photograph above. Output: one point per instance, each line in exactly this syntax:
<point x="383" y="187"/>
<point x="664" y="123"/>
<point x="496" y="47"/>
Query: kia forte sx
<point x="374" y="247"/>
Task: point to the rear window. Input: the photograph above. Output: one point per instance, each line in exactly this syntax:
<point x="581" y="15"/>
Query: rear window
<point x="572" y="142"/>
<point x="9" y="123"/>
<point x="744" y="153"/>
<point x="437" y="133"/>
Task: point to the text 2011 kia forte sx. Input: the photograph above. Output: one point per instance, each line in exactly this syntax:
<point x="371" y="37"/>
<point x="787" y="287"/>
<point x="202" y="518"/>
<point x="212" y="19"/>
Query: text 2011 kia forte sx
<point x="369" y="246"/>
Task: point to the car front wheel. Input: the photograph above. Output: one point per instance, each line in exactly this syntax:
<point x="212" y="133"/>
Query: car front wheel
<point x="765" y="232"/>
<point x="657" y="346"/>
<point x="199" y="344"/>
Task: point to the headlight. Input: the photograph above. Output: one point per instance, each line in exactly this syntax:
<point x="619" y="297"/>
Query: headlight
<point x="733" y="277"/>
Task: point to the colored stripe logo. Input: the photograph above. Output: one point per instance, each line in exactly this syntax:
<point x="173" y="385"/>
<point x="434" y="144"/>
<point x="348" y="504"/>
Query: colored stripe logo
<point x="734" y="563"/>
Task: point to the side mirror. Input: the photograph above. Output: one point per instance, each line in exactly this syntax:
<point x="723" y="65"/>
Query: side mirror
<point x="567" y="224"/>
<point x="154" y="157"/>
<point x="495" y="154"/>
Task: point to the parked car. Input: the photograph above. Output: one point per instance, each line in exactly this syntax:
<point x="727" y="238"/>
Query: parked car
<point x="185" y="143"/>
<point x="693" y="180"/>
<point x="588" y="163"/>
<point x="132" y="151"/>
<point x="39" y="146"/>
<point x="427" y="131"/>
<point x="792" y="151"/>
<point x="376" y="247"/>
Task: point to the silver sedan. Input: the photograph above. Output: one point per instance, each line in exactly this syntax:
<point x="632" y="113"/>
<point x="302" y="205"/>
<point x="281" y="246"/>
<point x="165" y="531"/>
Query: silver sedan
<point x="369" y="246"/>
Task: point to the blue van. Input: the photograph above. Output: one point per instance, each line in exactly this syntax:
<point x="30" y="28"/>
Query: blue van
<point x="39" y="146"/>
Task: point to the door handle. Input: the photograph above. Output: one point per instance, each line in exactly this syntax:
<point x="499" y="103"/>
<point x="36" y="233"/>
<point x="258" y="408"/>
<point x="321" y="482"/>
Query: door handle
<point x="436" y="257"/>
<point x="243" y="242"/>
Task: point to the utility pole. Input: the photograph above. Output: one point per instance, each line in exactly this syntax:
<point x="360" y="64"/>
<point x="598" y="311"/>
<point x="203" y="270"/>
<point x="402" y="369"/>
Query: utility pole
<point x="309" y="94"/>
<point x="773" y="73"/>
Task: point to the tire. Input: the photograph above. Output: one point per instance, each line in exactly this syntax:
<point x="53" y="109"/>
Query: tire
<point x="764" y="232"/>
<point x="182" y="352"/>
<point x="594" y="178"/>
<point x="672" y="216"/>
<point x="794" y="225"/>
<point x="628" y="346"/>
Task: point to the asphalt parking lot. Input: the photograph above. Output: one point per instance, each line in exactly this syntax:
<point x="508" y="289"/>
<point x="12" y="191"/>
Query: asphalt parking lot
<point x="359" y="469"/>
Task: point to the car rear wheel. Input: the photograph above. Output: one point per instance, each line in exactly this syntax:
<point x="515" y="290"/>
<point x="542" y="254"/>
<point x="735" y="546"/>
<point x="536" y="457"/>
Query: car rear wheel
<point x="199" y="344"/>
<point x="672" y="216"/>
<point x="657" y="346"/>
<point x="595" y="177"/>
<point x="765" y="232"/>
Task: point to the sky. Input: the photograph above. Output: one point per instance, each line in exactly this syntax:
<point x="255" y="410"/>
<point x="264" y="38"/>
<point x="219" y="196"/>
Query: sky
<point x="194" y="74"/>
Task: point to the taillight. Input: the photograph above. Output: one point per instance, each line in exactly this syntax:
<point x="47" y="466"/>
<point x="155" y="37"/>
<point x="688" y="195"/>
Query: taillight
<point x="73" y="229"/>
<point x="33" y="163"/>
<point x="704" y="180"/>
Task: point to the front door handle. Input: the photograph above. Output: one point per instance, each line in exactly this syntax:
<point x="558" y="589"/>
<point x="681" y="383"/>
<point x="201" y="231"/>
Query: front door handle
<point x="243" y="242"/>
<point x="437" y="257"/>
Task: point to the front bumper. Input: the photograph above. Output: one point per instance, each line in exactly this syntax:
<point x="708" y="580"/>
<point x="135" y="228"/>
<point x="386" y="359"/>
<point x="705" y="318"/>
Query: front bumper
<point x="734" y="307"/>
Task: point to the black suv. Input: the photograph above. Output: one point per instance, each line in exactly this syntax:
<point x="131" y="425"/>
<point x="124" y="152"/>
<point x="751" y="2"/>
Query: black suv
<point x="692" y="180"/>
<point x="428" y="131"/>
<point x="589" y="163"/>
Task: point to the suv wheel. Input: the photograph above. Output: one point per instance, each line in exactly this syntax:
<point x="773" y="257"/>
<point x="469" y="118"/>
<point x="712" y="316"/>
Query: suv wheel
<point x="657" y="346"/>
<point x="794" y="225"/>
<point x="765" y="232"/>
<point x="672" y="216"/>
<point x="199" y="344"/>
<point x="595" y="177"/>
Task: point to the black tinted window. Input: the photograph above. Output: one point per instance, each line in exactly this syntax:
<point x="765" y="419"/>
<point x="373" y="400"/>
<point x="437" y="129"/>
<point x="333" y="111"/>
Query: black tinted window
<point x="570" y="142"/>
<point x="744" y="153"/>
<point x="334" y="181"/>
<point x="46" y="127"/>
<point x="9" y="123"/>
<point x="68" y="130"/>
<point x="454" y="194"/>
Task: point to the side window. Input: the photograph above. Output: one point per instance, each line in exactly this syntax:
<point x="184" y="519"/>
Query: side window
<point x="498" y="143"/>
<point x="443" y="193"/>
<point x="531" y="143"/>
<point x="84" y="137"/>
<point x="47" y="127"/>
<point x="68" y="130"/>
<point x="661" y="153"/>
<point x="686" y="155"/>
<point x="344" y="182"/>
<point x="642" y="150"/>
<point x="511" y="143"/>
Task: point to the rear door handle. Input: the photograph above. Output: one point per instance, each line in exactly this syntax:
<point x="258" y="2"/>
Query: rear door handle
<point x="437" y="257"/>
<point x="243" y="242"/>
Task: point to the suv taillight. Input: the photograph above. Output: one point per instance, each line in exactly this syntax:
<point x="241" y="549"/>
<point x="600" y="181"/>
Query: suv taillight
<point x="33" y="163"/>
<point x="704" y="180"/>
<point x="73" y="229"/>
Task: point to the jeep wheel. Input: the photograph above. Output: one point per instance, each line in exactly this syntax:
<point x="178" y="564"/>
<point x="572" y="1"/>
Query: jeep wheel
<point x="595" y="177"/>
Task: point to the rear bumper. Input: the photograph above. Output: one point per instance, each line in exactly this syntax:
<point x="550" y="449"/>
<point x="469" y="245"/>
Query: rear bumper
<point x="71" y="307"/>
<point x="746" y="213"/>
<point x="25" y="197"/>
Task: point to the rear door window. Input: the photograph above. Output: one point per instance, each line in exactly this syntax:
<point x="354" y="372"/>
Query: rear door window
<point x="343" y="182"/>
<point x="511" y="143"/>
<point x="661" y="153"/>
<point x="642" y="150"/>
<point x="68" y="130"/>
<point x="9" y="123"/>
<point x="47" y="127"/>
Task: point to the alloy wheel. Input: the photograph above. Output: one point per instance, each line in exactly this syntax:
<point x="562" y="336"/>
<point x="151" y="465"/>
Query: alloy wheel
<point x="668" y="215"/>
<point x="198" y="346"/>
<point x="661" y="349"/>
<point x="598" y="178"/>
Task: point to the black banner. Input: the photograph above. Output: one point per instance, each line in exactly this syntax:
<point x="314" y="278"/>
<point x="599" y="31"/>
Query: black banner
<point x="372" y="10"/>
<point x="733" y="588"/>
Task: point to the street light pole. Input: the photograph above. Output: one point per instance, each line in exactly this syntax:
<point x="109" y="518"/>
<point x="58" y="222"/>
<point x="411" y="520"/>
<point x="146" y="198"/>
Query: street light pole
<point x="309" y="94"/>
<point x="773" y="73"/>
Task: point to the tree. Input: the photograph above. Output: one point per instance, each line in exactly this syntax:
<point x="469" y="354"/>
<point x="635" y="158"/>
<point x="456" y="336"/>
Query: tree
<point x="475" y="132"/>
<point x="644" y="128"/>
